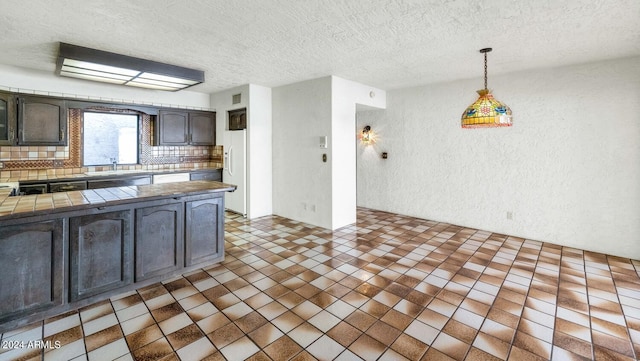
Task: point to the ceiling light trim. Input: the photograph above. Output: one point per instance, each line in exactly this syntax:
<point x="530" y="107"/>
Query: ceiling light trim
<point x="92" y="64"/>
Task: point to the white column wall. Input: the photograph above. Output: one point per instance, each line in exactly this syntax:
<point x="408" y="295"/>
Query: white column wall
<point x="259" y="157"/>
<point x="345" y="95"/>
<point x="302" y="183"/>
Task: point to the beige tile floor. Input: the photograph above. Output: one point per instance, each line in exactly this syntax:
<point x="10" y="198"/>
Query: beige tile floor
<point x="390" y="287"/>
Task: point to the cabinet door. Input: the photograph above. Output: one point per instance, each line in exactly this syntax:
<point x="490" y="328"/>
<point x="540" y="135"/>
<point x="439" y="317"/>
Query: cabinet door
<point x="42" y="121"/>
<point x="202" y="127"/>
<point x="204" y="240"/>
<point x="7" y="119"/>
<point x="32" y="267"/>
<point x="159" y="240"/>
<point x="238" y="119"/>
<point x="100" y="253"/>
<point x="173" y="127"/>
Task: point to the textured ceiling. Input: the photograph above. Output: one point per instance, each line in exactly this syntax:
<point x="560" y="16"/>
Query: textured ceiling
<point x="383" y="43"/>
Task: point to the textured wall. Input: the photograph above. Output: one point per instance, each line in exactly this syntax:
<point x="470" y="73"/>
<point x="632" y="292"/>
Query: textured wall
<point x="301" y="181"/>
<point x="568" y="170"/>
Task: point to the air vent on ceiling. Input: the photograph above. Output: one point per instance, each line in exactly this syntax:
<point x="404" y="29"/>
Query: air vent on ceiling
<point x="236" y="98"/>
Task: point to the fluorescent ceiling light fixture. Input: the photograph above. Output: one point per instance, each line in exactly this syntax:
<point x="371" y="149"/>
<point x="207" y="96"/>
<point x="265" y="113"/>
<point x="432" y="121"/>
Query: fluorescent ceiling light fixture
<point x="97" y="65"/>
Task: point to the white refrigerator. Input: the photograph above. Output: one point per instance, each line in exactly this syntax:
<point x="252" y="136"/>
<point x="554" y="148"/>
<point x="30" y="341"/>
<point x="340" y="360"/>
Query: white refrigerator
<point x="235" y="170"/>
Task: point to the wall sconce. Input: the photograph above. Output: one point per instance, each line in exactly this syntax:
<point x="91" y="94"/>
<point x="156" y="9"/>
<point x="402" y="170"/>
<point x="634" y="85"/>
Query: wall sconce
<point x="367" y="136"/>
<point x="102" y="66"/>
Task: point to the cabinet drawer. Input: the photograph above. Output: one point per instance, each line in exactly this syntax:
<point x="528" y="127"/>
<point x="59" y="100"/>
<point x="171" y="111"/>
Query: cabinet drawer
<point x="214" y="175"/>
<point x="119" y="182"/>
<point x="67" y="186"/>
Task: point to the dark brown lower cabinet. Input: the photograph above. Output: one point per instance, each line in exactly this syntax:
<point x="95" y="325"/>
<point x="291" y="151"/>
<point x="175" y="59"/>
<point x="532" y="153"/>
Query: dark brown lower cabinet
<point x="100" y="253"/>
<point x="32" y="267"/>
<point x="159" y="240"/>
<point x="204" y="235"/>
<point x="57" y="262"/>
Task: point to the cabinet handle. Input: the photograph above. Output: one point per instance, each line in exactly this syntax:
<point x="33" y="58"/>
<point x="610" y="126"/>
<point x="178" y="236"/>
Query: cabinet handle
<point x="61" y="134"/>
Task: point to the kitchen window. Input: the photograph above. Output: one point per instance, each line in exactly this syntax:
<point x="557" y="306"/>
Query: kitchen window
<point x="109" y="138"/>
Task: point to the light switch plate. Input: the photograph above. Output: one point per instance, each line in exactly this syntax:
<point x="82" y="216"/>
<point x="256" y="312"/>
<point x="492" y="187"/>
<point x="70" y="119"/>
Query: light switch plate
<point x="323" y="142"/>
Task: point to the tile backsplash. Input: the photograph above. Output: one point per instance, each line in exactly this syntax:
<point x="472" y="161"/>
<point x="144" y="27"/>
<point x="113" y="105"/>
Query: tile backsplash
<point x="41" y="161"/>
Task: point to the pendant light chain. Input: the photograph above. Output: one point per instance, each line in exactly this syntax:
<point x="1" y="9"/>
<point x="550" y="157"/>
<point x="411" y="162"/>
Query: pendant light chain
<point x="485" y="70"/>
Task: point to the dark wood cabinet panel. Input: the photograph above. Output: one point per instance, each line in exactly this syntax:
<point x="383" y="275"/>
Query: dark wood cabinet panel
<point x="100" y="248"/>
<point x="119" y="182"/>
<point x="175" y="128"/>
<point x="42" y="121"/>
<point x="159" y="240"/>
<point x="238" y="119"/>
<point x="202" y="127"/>
<point x="214" y="175"/>
<point x="7" y="119"/>
<point x="32" y="267"/>
<point x="204" y="234"/>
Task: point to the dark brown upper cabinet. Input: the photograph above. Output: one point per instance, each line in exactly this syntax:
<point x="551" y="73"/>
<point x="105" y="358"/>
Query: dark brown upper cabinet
<point x="238" y="119"/>
<point x="42" y="121"/>
<point x="7" y="119"/>
<point x="175" y="127"/>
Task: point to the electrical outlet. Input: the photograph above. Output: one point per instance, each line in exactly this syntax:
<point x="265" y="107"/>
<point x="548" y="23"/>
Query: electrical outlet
<point x="1" y="165"/>
<point x="58" y="163"/>
<point x="510" y="215"/>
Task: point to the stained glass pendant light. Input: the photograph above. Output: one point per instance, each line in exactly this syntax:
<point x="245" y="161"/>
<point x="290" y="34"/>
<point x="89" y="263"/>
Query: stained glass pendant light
<point x="486" y="112"/>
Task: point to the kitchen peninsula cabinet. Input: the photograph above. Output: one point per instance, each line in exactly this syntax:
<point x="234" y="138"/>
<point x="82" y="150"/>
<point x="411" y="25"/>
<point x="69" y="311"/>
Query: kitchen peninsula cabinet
<point x="101" y="249"/>
<point x="174" y="127"/>
<point x="32" y="267"/>
<point x="203" y="220"/>
<point x="42" y="121"/>
<point x="91" y="245"/>
<point x="7" y="119"/>
<point x="159" y="240"/>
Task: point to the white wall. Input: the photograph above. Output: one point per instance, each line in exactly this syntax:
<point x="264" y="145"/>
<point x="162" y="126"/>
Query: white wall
<point x="259" y="139"/>
<point x="44" y="83"/>
<point x="568" y="169"/>
<point x="345" y="95"/>
<point x="257" y="100"/>
<point x="301" y="181"/>
<point x="304" y="187"/>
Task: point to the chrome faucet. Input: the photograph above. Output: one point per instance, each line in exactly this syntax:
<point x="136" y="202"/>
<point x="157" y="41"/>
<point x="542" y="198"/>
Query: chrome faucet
<point x="114" y="163"/>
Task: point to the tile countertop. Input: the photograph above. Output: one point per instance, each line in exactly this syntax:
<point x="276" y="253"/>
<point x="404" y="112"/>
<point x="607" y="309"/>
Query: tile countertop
<point x="36" y="204"/>
<point x="100" y="174"/>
